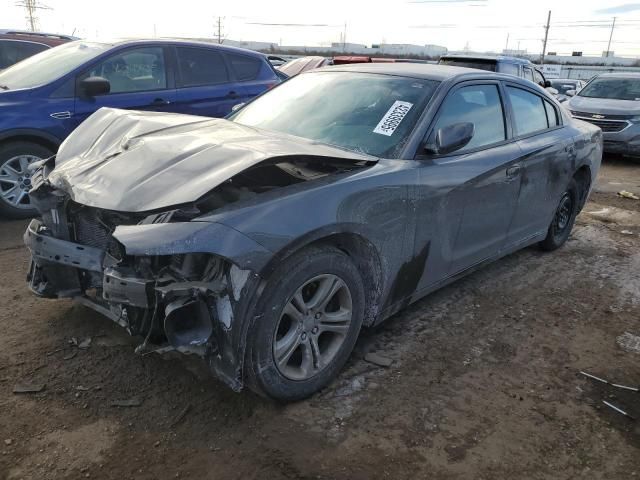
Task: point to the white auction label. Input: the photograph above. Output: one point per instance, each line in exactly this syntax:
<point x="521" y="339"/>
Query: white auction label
<point x="392" y="118"/>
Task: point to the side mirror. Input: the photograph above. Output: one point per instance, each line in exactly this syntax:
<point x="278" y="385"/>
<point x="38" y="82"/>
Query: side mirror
<point x="570" y="93"/>
<point x="451" y="138"/>
<point x="547" y="84"/>
<point x="94" y="86"/>
<point x="237" y="106"/>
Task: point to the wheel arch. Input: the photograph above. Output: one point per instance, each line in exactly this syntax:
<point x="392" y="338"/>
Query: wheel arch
<point x="582" y="177"/>
<point x="362" y="251"/>
<point x="39" y="137"/>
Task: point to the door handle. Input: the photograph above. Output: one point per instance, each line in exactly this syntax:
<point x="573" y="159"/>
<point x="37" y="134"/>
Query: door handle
<point x="233" y="95"/>
<point x="159" y="102"/>
<point x="513" y="171"/>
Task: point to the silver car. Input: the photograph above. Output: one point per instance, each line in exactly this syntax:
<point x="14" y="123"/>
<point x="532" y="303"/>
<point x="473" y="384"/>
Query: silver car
<point x="612" y="102"/>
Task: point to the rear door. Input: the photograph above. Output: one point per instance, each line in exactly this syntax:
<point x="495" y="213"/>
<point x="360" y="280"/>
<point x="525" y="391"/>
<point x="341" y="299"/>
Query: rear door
<point x="546" y="153"/>
<point x="206" y="86"/>
<point x="139" y="79"/>
<point x="254" y="74"/>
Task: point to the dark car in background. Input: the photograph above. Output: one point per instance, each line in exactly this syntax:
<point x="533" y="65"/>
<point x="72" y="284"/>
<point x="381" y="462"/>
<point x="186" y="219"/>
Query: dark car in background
<point x="16" y="45"/>
<point x="45" y="97"/>
<point x="611" y="101"/>
<point x="264" y="242"/>
<point x="567" y="87"/>
<point x="518" y="67"/>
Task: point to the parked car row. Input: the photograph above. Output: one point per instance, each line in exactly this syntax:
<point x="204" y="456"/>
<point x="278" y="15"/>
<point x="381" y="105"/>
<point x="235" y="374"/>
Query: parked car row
<point x="45" y="97"/>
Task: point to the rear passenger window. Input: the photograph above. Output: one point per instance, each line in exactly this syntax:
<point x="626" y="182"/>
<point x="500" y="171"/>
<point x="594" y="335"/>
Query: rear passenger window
<point x="528" y="110"/>
<point x="246" y="68"/>
<point x="477" y="104"/>
<point x="201" y="66"/>
<point x="552" y="115"/>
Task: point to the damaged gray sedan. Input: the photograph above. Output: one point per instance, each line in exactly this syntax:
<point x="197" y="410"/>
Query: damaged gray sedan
<point x="264" y="242"/>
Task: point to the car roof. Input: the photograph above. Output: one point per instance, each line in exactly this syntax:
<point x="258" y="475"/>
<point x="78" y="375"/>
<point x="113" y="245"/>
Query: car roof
<point x="178" y="41"/>
<point x="497" y="58"/>
<point x="414" y="70"/>
<point x="620" y="75"/>
<point x="6" y="31"/>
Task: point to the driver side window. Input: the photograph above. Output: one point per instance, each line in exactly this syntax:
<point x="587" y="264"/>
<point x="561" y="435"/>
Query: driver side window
<point x="479" y="105"/>
<point x="134" y="70"/>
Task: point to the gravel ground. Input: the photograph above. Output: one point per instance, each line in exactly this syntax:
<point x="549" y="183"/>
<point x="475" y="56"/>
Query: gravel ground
<point x="484" y="380"/>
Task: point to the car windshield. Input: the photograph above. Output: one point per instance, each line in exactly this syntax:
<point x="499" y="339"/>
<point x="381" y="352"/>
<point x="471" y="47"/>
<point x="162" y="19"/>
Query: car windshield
<point x="563" y="86"/>
<point x="367" y="113"/>
<point x="49" y="65"/>
<point x="613" y="88"/>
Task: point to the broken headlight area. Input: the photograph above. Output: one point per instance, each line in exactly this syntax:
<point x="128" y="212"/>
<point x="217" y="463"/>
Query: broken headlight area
<point x="184" y="302"/>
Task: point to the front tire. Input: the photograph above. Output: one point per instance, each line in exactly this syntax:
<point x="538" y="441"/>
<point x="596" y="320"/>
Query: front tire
<point x="15" y="178"/>
<point x="309" y="318"/>
<point x="563" y="219"/>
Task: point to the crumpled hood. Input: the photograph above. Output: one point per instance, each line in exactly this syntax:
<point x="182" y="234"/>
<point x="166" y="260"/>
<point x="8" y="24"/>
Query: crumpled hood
<point x="604" y="106"/>
<point x="134" y="161"/>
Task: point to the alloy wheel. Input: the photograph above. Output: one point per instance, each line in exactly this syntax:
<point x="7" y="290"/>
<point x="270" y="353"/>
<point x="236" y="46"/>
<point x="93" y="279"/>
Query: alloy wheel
<point x="313" y="325"/>
<point x="15" y="181"/>
<point x="563" y="214"/>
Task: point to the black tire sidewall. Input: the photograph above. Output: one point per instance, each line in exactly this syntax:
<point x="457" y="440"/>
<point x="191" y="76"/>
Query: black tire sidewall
<point x="293" y="273"/>
<point x="554" y="239"/>
<point x="9" y="151"/>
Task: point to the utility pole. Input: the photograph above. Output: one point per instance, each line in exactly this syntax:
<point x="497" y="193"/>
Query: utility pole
<point x="613" y="25"/>
<point x="219" y="24"/>
<point x="546" y="36"/>
<point x="506" y="47"/>
<point x="344" y="37"/>
<point x="31" y="7"/>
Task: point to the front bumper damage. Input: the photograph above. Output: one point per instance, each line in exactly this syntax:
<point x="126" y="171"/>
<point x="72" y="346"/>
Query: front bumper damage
<point x="188" y="287"/>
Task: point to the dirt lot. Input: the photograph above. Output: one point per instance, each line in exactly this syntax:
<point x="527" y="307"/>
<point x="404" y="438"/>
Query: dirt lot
<point x="484" y="383"/>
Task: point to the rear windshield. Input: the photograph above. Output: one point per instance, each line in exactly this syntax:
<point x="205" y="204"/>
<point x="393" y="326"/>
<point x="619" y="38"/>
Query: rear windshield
<point x="367" y="113"/>
<point x="613" y="88"/>
<point x="488" y="65"/>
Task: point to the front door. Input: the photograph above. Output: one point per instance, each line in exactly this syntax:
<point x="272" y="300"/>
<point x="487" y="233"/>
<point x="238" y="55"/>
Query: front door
<point x="139" y="81"/>
<point x="482" y="179"/>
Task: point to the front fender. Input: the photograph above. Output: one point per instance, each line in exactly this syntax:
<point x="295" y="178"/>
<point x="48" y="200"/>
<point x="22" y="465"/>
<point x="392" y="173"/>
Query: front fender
<point x="193" y="237"/>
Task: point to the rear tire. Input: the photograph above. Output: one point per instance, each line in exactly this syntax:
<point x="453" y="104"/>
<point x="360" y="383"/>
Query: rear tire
<point x="563" y="219"/>
<point x="309" y="318"/>
<point x="15" y="179"/>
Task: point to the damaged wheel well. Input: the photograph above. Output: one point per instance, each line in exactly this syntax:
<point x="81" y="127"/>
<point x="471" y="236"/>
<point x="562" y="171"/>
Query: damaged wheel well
<point x="583" y="179"/>
<point x="363" y="254"/>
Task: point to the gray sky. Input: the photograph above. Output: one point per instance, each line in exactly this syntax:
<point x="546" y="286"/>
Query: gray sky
<point x="481" y="24"/>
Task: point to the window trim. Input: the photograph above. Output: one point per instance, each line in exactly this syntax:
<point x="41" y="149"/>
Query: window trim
<point x="110" y="54"/>
<point x="230" y="74"/>
<point x="419" y="155"/>
<point x="513" y="119"/>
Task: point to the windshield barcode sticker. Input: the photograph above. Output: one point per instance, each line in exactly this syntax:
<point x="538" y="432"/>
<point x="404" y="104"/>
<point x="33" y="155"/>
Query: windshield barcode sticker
<point x="392" y="118"/>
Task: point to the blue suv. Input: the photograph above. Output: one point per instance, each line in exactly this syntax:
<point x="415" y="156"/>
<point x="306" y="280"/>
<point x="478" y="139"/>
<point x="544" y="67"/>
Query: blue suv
<point x="45" y="97"/>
